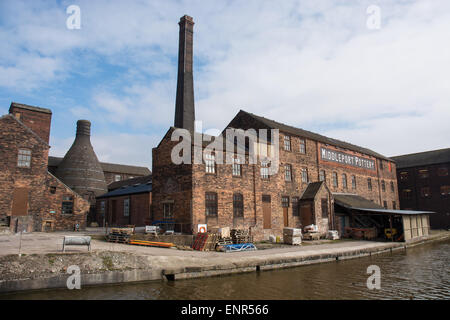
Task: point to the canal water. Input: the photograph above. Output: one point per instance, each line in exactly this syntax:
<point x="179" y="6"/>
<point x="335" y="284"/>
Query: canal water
<point x="421" y="272"/>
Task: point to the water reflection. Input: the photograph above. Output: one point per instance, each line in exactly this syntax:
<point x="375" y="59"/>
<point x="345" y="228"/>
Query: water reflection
<point x="419" y="273"/>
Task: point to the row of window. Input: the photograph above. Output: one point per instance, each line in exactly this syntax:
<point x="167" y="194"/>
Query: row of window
<point x="425" y="192"/>
<point x="424" y="173"/>
<point x="211" y="204"/>
<point x="287" y="144"/>
<point x="335" y="181"/>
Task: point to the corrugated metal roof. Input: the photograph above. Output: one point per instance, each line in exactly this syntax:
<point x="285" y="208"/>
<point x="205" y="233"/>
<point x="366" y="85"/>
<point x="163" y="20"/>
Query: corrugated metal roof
<point x="140" y="188"/>
<point x="355" y="202"/>
<point x="391" y="211"/>
<point x="422" y="158"/>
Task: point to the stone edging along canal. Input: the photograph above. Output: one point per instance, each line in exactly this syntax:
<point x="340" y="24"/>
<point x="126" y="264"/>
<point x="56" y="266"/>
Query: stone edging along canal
<point x="46" y="271"/>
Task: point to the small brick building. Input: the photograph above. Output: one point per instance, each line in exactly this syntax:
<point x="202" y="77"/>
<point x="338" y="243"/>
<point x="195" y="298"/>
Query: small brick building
<point x="31" y="198"/>
<point x="128" y="204"/>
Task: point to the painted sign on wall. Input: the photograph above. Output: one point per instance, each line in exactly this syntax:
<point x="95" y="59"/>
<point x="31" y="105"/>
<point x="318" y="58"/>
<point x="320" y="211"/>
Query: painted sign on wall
<point x="345" y="158"/>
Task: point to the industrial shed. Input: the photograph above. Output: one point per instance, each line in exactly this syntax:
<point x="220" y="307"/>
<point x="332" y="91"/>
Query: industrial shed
<point x="360" y="218"/>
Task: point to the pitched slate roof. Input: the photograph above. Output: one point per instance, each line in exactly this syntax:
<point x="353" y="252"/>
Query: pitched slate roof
<point x="138" y="188"/>
<point x="422" y="158"/>
<point x="311" y="135"/>
<point x="311" y="190"/>
<point x="109" y="167"/>
<point x="129" y="182"/>
<point x="354" y="201"/>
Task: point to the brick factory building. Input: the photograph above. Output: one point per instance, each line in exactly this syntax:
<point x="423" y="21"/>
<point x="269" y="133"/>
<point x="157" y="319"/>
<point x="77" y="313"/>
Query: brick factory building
<point x="312" y="170"/>
<point x="42" y="193"/>
<point x="31" y="198"/>
<point x="424" y="184"/>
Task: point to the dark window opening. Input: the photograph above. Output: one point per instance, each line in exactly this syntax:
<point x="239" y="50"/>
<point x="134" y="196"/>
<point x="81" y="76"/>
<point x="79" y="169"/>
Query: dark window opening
<point x="211" y="203"/>
<point x="238" y="205"/>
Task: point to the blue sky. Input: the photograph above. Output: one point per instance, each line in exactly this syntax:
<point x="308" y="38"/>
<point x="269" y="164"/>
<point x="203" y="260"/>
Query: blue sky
<point x="310" y="64"/>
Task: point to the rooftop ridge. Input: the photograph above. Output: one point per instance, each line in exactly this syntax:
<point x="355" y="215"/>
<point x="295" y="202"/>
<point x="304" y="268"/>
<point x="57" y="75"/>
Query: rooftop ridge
<point x="322" y="138"/>
<point x="29" y="107"/>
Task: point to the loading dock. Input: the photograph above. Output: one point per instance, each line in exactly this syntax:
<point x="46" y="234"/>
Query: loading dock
<point x="360" y="218"/>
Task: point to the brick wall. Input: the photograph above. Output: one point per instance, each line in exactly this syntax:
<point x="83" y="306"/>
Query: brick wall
<point x="38" y="121"/>
<point x="139" y="210"/>
<point x="172" y="182"/>
<point x="34" y="182"/>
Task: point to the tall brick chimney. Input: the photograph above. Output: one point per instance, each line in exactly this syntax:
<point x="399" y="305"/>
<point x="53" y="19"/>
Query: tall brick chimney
<point x="80" y="168"/>
<point x="184" y="105"/>
<point x="36" y="118"/>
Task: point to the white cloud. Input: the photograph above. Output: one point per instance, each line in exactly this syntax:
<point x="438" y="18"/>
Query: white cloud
<point x="122" y="148"/>
<point x="311" y="64"/>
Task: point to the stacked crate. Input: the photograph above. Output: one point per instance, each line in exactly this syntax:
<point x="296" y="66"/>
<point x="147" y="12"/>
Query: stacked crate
<point x="292" y="236"/>
<point x="241" y="236"/>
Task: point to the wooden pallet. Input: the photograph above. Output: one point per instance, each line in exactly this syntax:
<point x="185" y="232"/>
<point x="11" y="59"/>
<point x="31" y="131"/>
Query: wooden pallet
<point x="117" y="238"/>
<point x="200" y="241"/>
<point x="211" y="242"/>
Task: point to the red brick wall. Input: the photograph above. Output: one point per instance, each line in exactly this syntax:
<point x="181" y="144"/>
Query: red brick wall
<point x="171" y="183"/>
<point x="139" y="210"/>
<point x="53" y="210"/>
<point x="36" y="179"/>
<point x="37" y="121"/>
<point x="253" y="187"/>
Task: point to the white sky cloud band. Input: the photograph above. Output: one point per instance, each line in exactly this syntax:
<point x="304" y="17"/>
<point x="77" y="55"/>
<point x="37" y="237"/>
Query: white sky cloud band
<point x="310" y="64"/>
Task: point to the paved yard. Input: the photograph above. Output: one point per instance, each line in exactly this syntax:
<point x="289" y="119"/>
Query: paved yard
<point x="38" y="242"/>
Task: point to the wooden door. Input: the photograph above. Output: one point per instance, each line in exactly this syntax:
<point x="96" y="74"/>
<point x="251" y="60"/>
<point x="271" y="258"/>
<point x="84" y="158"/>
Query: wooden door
<point x="267" y="212"/>
<point x="285" y="216"/>
<point x="306" y="214"/>
<point x="20" y="202"/>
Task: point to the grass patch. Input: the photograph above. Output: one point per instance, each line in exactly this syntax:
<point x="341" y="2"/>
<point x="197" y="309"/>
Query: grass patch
<point x="107" y="262"/>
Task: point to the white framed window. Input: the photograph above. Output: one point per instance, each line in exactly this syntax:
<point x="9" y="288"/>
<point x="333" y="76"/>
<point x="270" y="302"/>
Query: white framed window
<point x="304" y="175"/>
<point x="287" y="143"/>
<point x="24" y="158"/>
<point x="210" y="163"/>
<point x="264" y="170"/>
<point x="302" y="148"/>
<point x="287" y="172"/>
<point x="236" y="167"/>
<point x="322" y="175"/>
<point x="117" y="177"/>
